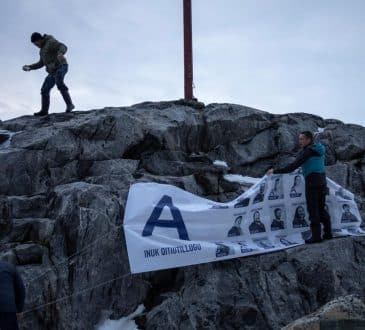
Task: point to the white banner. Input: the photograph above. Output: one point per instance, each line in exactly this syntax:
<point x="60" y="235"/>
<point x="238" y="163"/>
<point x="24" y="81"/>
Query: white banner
<point x="167" y="227"/>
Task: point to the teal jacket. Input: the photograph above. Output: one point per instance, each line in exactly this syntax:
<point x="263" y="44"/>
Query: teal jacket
<point x="311" y="159"/>
<point x="315" y="163"/>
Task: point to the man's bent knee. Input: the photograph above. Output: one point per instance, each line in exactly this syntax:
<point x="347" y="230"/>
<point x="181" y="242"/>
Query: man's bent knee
<point x="45" y="92"/>
<point x="62" y="87"/>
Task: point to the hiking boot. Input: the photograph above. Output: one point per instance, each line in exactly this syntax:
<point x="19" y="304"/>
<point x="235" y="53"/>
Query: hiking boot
<point x="327" y="236"/>
<point x="316" y="234"/>
<point x="312" y="241"/>
<point x="67" y="98"/>
<point x="45" y="106"/>
<point x="41" y="113"/>
<point x="70" y="108"/>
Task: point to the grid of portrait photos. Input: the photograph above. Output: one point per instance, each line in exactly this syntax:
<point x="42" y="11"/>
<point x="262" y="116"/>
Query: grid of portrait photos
<point x="273" y="214"/>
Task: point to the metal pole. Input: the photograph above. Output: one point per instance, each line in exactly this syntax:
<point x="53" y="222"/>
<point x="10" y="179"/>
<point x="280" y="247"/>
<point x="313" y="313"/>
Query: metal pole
<point x="188" y="51"/>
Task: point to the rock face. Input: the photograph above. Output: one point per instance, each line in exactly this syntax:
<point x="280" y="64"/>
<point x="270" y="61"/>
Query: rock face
<point x="64" y="183"/>
<point x="348" y="309"/>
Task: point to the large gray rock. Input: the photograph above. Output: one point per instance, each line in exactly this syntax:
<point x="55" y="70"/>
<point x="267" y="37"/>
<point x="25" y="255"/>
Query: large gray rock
<point x="349" y="309"/>
<point x="261" y="292"/>
<point x="64" y="185"/>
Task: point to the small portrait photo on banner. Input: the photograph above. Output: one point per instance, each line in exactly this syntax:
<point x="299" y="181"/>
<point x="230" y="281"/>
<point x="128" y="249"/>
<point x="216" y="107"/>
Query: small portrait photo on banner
<point x="243" y="202"/>
<point x="297" y="186"/>
<point x="256" y="225"/>
<point x="348" y="213"/>
<point x="300" y="219"/>
<point x="260" y="195"/>
<point x="223" y="250"/>
<point x="245" y="247"/>
<point x="236" y="229"/>
<point x="278" y="217"/>
<point x="264" y="243"/>
<point x="284" y="240"/>
<point x="277" y="190"/>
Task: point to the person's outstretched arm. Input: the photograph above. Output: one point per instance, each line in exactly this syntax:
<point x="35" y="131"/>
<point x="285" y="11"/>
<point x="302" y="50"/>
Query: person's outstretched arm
<point x="299" y="160"/>
<point x="37" y="65"/>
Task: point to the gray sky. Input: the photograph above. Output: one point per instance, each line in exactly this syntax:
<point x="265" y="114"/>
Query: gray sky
<point x="276" y="55"/>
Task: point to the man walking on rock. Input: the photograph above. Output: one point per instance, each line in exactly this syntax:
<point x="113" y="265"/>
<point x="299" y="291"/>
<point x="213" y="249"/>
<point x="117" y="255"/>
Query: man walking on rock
<point x="52" y="57"/>
<point x="311" y="158"/>
<point x="12" y="295"/>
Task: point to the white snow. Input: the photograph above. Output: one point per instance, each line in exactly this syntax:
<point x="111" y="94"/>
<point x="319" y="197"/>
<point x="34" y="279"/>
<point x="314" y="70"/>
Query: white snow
<point x="220" y="163"/>
<point x="241" y="179"/>
<point x="320" y="130"/>
<point x="125" y="323"/>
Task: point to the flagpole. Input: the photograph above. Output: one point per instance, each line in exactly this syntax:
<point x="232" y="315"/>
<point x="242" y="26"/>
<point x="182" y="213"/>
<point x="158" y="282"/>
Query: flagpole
<point x="188" y="51"/>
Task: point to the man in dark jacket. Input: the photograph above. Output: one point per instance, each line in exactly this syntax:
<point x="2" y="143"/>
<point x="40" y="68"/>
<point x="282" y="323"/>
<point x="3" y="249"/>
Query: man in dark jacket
<point x="52" y="57"/>
<point x="256" y="226"/>
<point x="311" y="159"/>
<point x="12" y="295"/>
<point x="277" y="223"/>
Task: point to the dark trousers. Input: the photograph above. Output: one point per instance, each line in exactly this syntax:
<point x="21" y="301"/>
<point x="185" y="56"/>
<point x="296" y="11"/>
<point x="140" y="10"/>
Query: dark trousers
<point x="8" y="321"/>
<point x="56" y="78"/>
<point x="316" y="205"/>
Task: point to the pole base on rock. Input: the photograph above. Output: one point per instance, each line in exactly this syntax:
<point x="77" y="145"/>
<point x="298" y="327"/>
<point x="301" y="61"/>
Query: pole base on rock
<point x="194" y="103"/>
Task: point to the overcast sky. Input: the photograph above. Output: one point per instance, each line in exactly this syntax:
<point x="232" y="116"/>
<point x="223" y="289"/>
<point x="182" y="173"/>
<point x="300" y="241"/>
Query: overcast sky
<point x="275" y="55"/>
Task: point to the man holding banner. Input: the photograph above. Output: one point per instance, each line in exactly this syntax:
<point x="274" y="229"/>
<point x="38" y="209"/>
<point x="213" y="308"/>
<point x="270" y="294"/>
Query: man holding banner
<point x="311" y="159"/>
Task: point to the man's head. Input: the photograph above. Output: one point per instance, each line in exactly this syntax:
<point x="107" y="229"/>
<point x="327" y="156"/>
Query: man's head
<point x="300" y="211"/>
<point x="37" y="39"/>
<point x="256" y="216"/>
<point x="305" y="139"/>
<point x="277" y="213"/>
<point x="297" y="180"/>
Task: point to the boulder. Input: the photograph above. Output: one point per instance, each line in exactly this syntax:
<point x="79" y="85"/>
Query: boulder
<point x="64" y="184"/>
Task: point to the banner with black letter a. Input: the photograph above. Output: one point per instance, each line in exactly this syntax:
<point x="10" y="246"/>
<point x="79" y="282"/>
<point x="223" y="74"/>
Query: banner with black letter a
<point x="167" y="227"/>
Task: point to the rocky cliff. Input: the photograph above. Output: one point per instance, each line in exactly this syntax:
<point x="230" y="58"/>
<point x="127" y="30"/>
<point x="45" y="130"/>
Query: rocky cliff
<point x="64" y="181"/>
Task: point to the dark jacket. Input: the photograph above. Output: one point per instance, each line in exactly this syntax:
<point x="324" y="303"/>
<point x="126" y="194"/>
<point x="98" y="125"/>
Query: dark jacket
<point x="48" y="55"/>
<point x="235" y="231"/>
<point x="12" y="291"/>
<point x="311" y="159"/>
<point x="256" y="227"/>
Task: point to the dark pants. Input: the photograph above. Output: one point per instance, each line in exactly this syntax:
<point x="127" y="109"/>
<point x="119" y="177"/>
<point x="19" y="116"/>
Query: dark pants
<point x="8" y="321"/>
<point x="56" y="78"/>
<point x="316" y="202"/>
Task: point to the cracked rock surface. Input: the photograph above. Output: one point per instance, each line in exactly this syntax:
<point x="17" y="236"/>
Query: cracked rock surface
<point x="64" y="184"/>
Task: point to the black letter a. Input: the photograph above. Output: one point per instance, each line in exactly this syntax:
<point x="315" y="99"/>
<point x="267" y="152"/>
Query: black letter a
<point x="177" y="221"/>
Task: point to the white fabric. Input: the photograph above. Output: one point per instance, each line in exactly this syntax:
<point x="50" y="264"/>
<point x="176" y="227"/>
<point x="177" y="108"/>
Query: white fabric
<point x="219" y="231"/>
